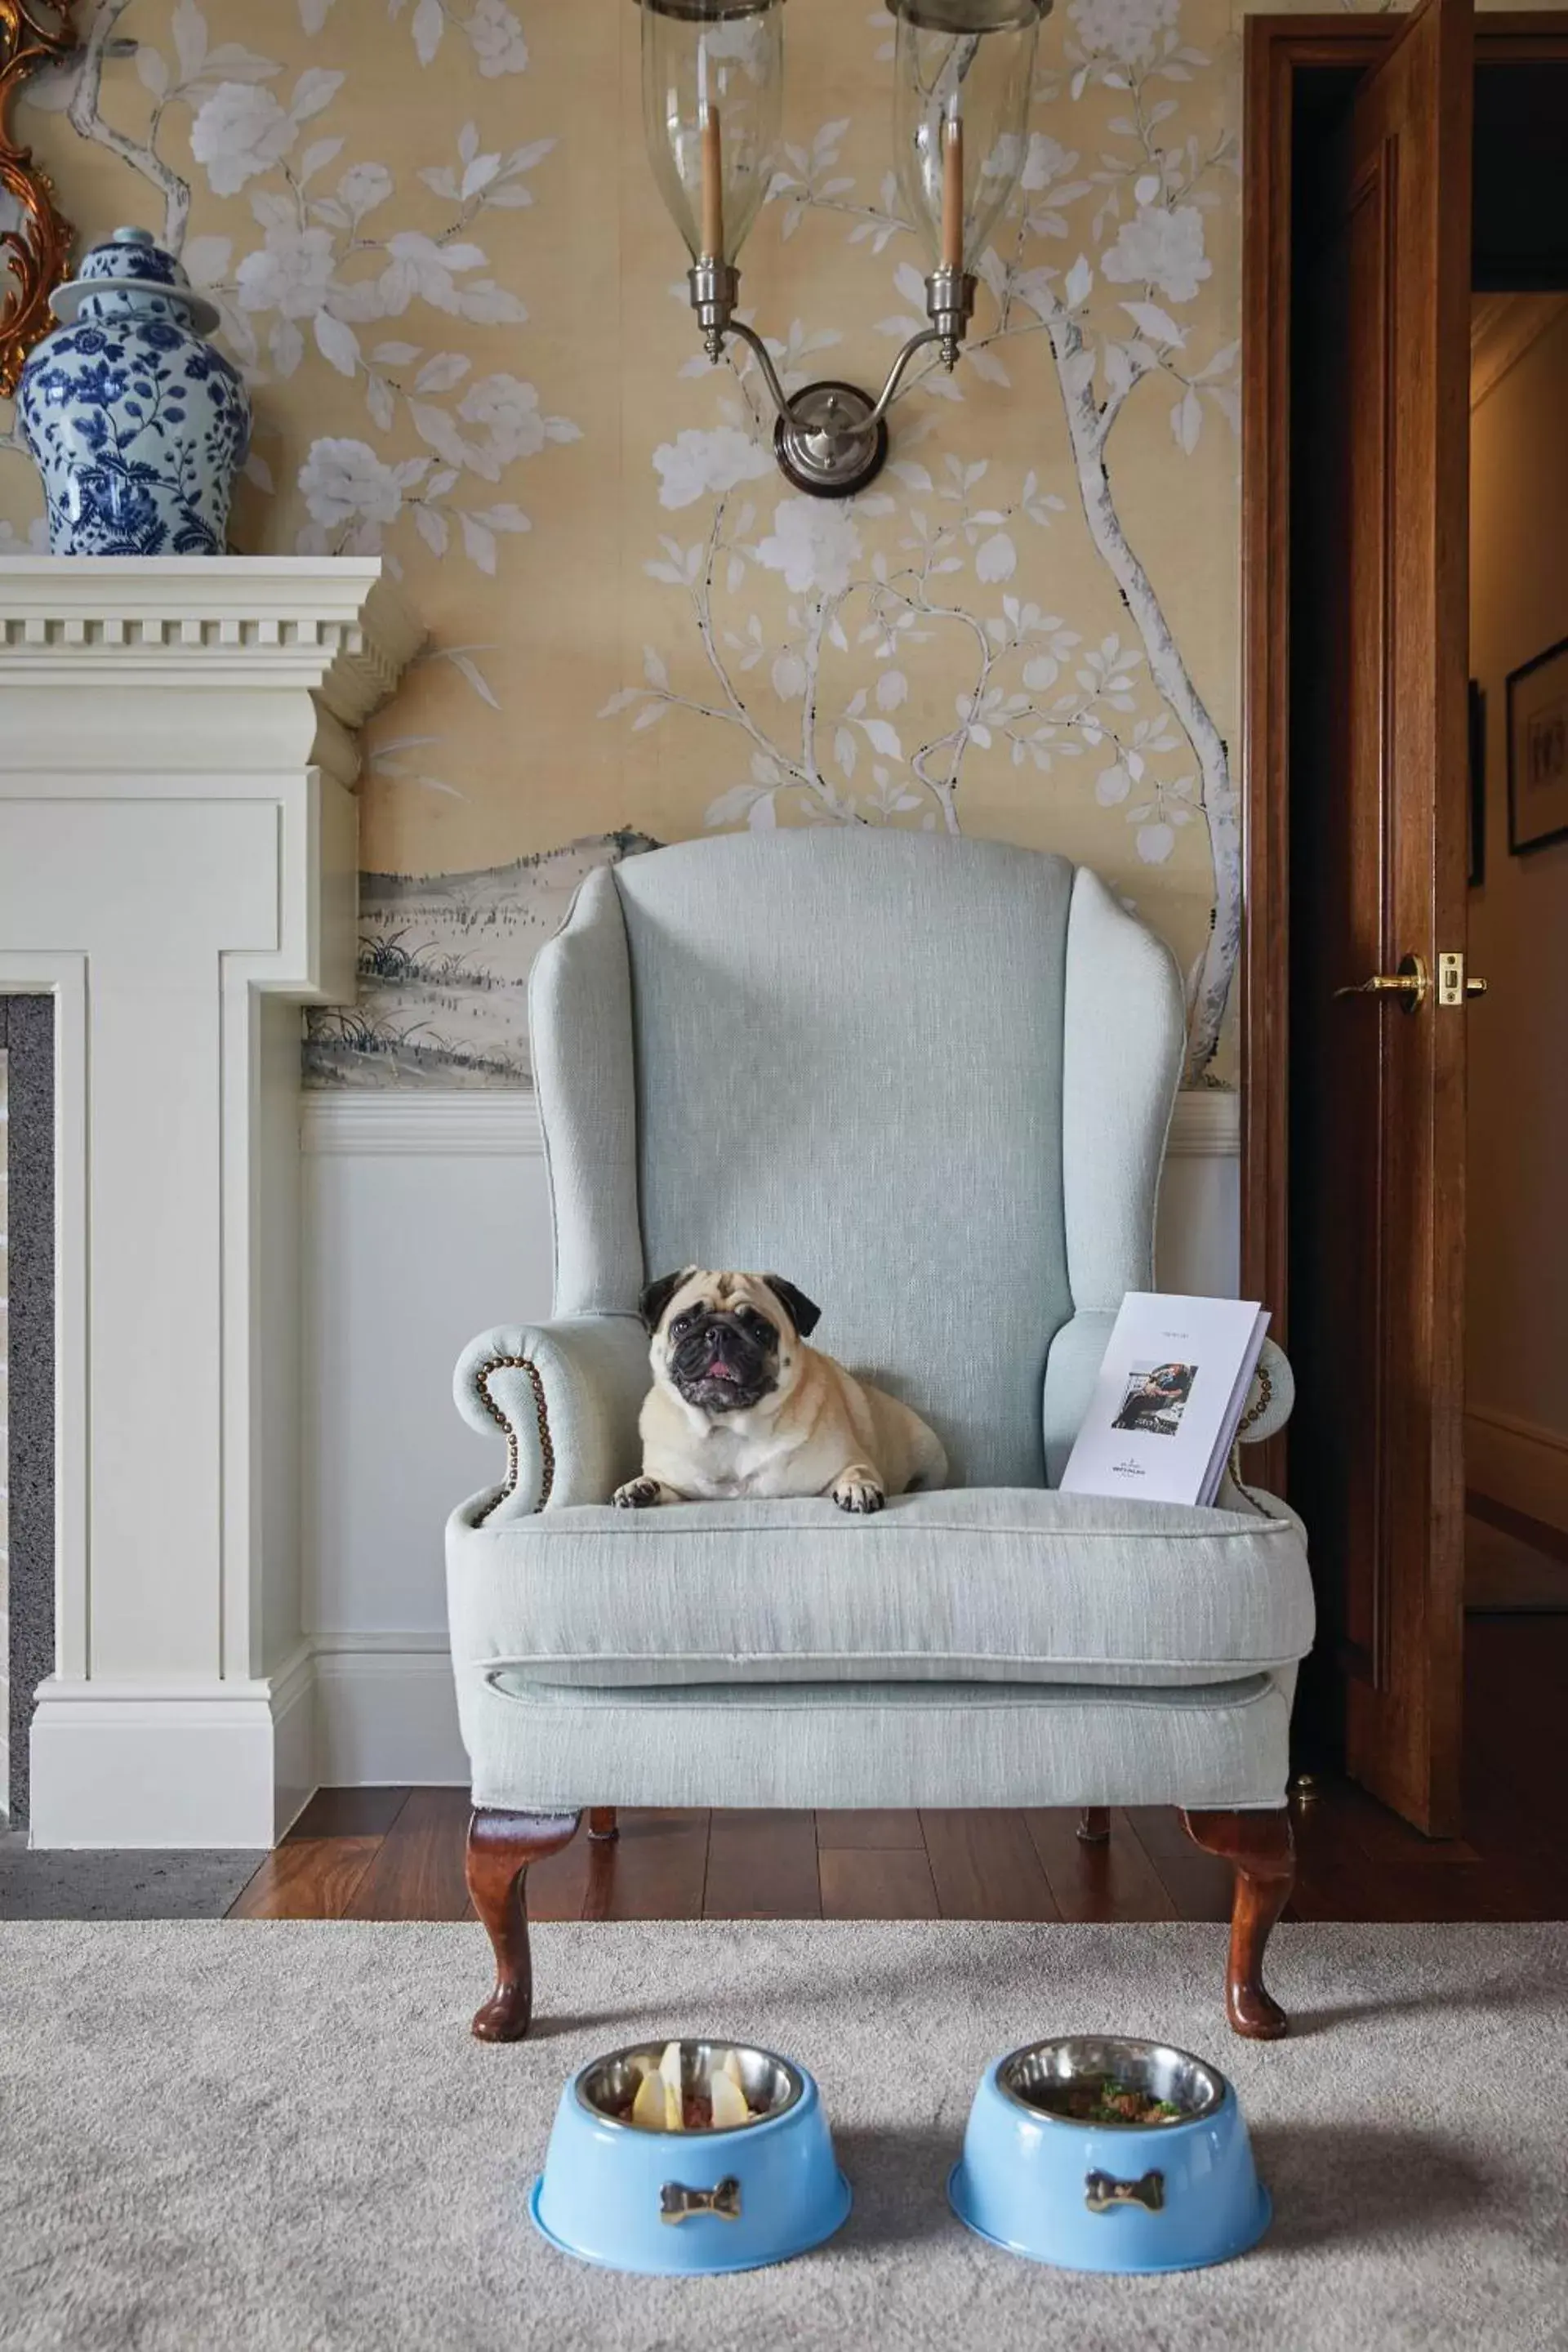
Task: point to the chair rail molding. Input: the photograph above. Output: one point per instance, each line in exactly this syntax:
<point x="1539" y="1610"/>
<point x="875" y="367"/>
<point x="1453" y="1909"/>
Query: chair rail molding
<point x="1206" y="1122"/>
<point x="178" y="867"/>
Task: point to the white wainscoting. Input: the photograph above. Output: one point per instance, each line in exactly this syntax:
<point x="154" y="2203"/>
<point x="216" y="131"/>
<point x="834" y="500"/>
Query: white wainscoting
<point x="425" y="1218"/>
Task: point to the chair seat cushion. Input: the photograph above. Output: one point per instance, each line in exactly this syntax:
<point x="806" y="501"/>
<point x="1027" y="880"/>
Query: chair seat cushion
<point x="994" y="1584"/>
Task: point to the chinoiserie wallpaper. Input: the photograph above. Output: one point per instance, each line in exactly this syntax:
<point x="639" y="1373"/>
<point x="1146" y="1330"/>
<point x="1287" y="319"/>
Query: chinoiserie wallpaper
<point x="440" y="259"/>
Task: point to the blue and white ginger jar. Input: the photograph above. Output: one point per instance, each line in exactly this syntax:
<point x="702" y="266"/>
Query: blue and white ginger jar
<point x="136" y="423"/>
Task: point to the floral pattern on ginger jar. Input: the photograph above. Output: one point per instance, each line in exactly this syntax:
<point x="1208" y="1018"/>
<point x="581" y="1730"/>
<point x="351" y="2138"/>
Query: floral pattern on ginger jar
<point x="136" y="423"/>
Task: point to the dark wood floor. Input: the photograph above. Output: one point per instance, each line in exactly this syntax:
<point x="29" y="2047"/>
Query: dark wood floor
<point x="398" y="1854"/>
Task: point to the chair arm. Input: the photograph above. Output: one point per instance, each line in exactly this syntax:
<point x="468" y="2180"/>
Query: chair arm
<point x="567" y="1396"/>
<point x="1270" y="1397"/>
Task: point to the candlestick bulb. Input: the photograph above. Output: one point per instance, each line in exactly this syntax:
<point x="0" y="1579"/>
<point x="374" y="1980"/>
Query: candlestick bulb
<point x="713" y="244"/>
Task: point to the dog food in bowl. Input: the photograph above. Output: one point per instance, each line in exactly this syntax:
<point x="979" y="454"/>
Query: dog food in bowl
<point x="657" y="2095"/>
<point x="1100" y="2099"/>
<point x="729" y="2165"/>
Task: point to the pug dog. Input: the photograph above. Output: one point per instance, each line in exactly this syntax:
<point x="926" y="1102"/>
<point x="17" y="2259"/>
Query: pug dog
<point x="741" y="1406"/>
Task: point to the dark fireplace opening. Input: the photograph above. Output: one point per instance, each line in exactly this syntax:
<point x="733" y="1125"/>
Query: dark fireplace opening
<point x="27" y="1375"/>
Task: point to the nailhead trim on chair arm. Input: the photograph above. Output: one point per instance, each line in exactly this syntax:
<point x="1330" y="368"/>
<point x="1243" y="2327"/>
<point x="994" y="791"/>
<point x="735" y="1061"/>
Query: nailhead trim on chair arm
<point x="546" y="1443"/>
<point x="1256" y="1412"/>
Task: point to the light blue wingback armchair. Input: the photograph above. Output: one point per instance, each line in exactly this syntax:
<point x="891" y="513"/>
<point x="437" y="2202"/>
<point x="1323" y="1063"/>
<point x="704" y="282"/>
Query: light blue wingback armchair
<point x="929" y="1081"/>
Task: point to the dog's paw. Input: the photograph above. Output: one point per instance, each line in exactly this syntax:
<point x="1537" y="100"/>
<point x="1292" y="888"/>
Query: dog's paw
<point x="857" y="1490"/>
<point x="637" y="1495"/>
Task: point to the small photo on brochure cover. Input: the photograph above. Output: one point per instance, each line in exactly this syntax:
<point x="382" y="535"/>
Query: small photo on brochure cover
<point x="1156" y="1398"/>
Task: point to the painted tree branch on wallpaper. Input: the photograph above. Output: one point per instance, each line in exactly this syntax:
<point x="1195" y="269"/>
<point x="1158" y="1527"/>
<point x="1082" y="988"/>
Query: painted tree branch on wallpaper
<point x="1035" y="691"/>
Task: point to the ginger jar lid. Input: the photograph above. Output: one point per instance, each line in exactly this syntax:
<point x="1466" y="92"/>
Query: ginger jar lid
<point x="130" y="263"/>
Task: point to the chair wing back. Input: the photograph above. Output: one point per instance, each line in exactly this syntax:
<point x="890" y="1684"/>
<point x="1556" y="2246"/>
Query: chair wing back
<point x="927" y="1080"/>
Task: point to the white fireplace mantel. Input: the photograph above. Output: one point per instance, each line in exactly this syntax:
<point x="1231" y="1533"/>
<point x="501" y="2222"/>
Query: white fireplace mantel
<point x="178" y="868"/>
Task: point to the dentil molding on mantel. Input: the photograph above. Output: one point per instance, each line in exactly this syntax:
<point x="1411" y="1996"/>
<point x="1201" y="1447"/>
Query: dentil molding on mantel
<point x="200" y="626"/>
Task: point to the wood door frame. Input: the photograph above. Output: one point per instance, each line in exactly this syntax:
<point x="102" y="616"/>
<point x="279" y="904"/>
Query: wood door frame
<point x="1277" y="51"/>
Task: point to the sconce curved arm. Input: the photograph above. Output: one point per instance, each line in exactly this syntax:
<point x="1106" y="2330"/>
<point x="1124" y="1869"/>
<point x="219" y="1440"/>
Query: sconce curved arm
<point x="781" y="402"/>
<point x="895" y="374"/>
<point x="754" y="343"/>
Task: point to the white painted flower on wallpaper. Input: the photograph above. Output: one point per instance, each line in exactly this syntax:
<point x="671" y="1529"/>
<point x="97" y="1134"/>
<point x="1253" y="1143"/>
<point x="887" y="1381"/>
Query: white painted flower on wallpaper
<point x="1163" y="247"/>
<point x="291" y="273"/>
<point x="697" y="464"/>
<point x="493" y="32"/>
<point x="1126" y="33"/>
<point x="346" y="482"/>
<point x="515" y="425"/>
<point x="331" y="258"/>
<point x="814" y="543"/>
<point x="241" y="132"/>
<point x="496" y="38"/>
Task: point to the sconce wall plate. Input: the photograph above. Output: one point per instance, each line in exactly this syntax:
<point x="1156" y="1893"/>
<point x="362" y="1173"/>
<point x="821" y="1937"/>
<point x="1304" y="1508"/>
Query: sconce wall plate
<point x="712" y="87"/>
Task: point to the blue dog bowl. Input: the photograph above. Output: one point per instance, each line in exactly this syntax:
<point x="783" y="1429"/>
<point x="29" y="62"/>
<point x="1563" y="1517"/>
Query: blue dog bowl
<point x="1095" y="2195"/>
<point x="684" y="2203"/>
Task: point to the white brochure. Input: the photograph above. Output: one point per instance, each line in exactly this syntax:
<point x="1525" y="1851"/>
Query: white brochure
<point x="1170" y="1391"/>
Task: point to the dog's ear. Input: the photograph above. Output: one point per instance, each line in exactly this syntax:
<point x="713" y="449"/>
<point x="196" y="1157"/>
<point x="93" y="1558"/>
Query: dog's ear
<point x="802" y="1314"/>
<point x="657" y="1295"/>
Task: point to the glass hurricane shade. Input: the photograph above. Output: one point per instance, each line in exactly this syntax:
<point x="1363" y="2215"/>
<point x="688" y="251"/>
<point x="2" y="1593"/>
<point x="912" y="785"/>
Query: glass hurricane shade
<point x="713" y="83"/>
<point x="961" y="77"/>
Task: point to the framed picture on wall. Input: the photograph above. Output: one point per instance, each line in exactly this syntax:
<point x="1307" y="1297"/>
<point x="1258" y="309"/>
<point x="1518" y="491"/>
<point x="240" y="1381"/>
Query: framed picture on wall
<point x="1478" y="784"/>
<point x="1538" y="751"/>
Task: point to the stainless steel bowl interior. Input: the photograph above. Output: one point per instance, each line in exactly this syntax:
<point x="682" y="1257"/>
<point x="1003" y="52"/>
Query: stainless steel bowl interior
<point x="608" y="2087"/>
<point x="1031" y="2075"/>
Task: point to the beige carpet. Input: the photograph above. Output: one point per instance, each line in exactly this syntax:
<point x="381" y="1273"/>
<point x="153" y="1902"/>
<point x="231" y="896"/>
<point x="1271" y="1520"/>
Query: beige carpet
<point x="229" y="2135"/>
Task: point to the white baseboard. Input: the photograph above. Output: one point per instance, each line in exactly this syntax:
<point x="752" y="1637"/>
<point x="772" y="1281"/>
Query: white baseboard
<point x="296" y="1769"/>
<point x="134" y="1765"/>
<point x="1518" y="1463"/>
<point x="386" y="1711"/>
<point x="233" y="1765"/>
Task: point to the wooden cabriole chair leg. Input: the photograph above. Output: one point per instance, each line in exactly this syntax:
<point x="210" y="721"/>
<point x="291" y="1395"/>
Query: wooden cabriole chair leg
<point x="1263" y="1849"/>
<point x="601" y="1823"/>
<point x="501" y="1847"/>
<point x="1094" y="1825"/>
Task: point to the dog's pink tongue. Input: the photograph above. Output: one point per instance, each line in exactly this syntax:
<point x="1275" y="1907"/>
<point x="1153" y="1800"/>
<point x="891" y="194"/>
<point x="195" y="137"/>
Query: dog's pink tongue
<point x="720" y="1371"/>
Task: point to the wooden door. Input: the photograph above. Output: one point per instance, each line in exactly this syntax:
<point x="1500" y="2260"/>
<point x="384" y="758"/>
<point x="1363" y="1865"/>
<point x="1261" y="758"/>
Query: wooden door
<point x="1380" y="524"/>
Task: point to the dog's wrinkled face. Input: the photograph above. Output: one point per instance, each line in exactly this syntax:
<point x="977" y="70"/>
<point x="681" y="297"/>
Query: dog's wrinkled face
<point x="725" y="1341"/>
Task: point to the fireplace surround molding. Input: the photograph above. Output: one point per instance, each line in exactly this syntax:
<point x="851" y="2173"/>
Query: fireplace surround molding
<point x="178" y="870"/>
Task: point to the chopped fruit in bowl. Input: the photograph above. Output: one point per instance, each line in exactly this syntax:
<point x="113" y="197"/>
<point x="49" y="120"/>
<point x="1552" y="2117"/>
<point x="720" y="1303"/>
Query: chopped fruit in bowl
<point x="664" y="2101"/>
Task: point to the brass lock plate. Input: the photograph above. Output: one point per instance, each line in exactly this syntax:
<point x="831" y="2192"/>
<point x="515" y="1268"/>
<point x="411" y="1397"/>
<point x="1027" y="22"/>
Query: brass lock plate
<point x="1450" y="979"/>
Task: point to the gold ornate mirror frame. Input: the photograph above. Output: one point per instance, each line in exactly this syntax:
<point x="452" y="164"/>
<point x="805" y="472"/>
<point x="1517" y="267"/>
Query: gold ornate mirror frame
<point x="32" y="257"/>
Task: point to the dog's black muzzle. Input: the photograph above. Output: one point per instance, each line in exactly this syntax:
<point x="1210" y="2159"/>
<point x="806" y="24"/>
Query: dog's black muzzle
<point x="719" y="1366"/>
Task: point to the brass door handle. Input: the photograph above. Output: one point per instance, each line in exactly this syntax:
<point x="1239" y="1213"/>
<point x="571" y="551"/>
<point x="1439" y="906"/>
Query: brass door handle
<point x="1411" y="984"/>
